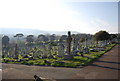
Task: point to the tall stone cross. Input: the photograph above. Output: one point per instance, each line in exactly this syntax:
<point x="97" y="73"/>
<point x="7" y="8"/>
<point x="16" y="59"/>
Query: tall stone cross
<point x="69" y="40"/>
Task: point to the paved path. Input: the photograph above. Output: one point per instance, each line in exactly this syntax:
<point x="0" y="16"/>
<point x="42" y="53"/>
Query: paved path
<point x="105" y="68"/>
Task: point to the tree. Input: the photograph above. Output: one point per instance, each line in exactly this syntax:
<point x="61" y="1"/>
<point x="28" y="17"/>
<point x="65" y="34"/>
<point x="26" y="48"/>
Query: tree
<point x="30" y="39"/>
<point x="42" y="38"/>
<point x="82" y="39"/>
<point x="118" y="36"/>
<point x="52" y="37"/>
<point x="73" y="35"/>
<point x="112" y="36"/>
<point x="5" y="40"/>
<point x="101" y="35"/>
<point x="63" y="37"/>
<point x="18" y="36"/>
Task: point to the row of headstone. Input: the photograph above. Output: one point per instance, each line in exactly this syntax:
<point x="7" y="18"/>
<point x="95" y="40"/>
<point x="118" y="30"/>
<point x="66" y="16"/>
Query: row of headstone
<point x="45" y="51"/>
<point x="66" y="49"/>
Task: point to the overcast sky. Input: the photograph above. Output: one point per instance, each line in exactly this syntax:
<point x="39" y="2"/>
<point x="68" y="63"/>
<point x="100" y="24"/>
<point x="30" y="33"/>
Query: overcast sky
<point x="60" y="15"/>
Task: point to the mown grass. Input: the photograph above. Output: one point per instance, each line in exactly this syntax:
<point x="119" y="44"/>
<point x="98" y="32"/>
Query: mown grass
<point x="59" y="62"/>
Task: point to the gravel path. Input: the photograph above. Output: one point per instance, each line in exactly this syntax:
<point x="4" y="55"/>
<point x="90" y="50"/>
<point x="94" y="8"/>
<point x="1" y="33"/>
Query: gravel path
<point x="104" y="68"/>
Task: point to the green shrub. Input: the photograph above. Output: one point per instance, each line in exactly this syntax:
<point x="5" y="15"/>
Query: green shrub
<point x="56" y="64"/>
<point x="24" y="62"/>
<point x="30" y="62"/>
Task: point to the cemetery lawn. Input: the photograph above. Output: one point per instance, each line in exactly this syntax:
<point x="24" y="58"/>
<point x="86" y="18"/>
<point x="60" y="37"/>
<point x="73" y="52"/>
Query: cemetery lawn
<point x="77" y="61"/>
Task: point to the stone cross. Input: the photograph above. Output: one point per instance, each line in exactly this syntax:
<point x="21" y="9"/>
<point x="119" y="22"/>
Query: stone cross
<point x="69" y="40"/>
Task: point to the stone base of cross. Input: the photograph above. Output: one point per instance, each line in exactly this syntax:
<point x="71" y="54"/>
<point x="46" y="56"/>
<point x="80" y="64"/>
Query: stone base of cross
<point x="68" y="57"/>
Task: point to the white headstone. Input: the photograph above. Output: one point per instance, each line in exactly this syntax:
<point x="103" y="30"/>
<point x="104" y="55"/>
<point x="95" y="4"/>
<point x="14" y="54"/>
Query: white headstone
<point x="61" y="49"/>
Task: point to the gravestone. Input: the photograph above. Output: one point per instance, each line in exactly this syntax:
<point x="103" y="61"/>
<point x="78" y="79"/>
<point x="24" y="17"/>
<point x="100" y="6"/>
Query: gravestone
<point x="103" y="44"/>
<point x="3" y="54"/>
<point x="35" y="54"/>
<point x="25" y="51"/>
<point x="75" y="44"/>
<point x="39" y="53"/>
<point x="9" y="53"/>
<point x="44" y="55"/>
<point x="90" y="43"/>
<point x="86" y="50"/>
<point x="60" y="50"/>
<point x="86" y="43"/>
<point x="75" y="47"/>
<point x="50" y="52"/>
<point x="80" y="48"/>
<point x="16" y="52"/>
<point x="100" y="44"/>
<point x="75" y="53"/>
<point x="55" y="50"/>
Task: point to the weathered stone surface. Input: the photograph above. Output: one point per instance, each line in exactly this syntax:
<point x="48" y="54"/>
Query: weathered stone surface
<point x="69" y="40"/>
<point x="75" y="53"/>
<point x="60" y="50"/>
<point x="68" y="57"/>
<point x="86" y="50"/>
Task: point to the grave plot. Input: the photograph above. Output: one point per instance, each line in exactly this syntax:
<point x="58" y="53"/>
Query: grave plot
<point x="67" y="51"/>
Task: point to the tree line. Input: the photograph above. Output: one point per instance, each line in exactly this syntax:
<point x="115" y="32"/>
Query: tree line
<point x="99" y="36"/>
